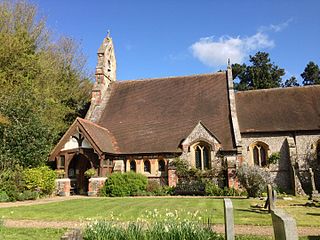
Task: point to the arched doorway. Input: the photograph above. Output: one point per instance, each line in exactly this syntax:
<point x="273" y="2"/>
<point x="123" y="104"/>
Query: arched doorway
<point x="76" y="169"/>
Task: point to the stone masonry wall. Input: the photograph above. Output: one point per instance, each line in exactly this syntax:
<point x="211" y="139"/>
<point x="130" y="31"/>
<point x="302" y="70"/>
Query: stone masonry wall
<point x="305" y="157"/>
<point x="280" y="172"/>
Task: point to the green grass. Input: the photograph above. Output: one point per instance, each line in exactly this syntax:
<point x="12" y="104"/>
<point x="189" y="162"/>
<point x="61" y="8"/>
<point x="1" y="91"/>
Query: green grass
<point x="129" y="209"/>
<point x="30" y="233"/>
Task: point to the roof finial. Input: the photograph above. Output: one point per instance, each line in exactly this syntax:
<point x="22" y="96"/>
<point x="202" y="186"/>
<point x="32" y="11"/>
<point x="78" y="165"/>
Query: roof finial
<point x="108" y="33"/>
<point x="229" y="65"/>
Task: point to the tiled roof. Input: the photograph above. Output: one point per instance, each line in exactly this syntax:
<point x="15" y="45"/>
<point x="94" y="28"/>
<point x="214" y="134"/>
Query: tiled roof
<point x="280" y="109"/>
<point x="155" y="115"/>
<point x="102" y="137"/>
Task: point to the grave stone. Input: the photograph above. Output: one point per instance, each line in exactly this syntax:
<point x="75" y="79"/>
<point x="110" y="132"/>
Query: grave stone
<point x="228" y="219"/>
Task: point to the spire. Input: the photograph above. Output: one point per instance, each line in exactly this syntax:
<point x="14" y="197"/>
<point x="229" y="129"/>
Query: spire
<point x="108" y="33"/>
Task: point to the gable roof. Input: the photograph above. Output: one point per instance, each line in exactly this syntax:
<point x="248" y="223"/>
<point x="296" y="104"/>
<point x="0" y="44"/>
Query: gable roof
<point x="279" y="109"/>
<point x="155" y="115"/>
<point x="98" y="137"/>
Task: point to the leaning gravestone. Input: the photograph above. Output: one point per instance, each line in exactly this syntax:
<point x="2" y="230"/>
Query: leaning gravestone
<point x="284" y="226"/>
<point x="228" y="219"/>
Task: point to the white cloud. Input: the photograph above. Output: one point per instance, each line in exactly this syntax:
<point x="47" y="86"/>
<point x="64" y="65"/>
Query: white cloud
<point x="215" y="53"/>
<point x="276" y="28"/>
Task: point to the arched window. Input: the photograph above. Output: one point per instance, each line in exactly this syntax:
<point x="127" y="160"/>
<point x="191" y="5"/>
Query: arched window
<point x="147" y="167"/>
<point x="259" y="153"/>
<point x="202" y="156"/>
<point x="161" y="165"/>
<point x="318" y="151"/>
<point x="132" y="165"/>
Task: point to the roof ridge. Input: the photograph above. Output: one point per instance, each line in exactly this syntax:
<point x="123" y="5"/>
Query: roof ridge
<point x="169" y="77"/>
<point x="278" y="89"/>
<point x="114" y="141"/>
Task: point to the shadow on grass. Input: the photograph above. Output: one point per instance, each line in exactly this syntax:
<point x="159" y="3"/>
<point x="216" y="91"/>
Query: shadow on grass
<point x="254" y="210"/>
<point x="313" y="214"/>
<point x="313" y="237"/>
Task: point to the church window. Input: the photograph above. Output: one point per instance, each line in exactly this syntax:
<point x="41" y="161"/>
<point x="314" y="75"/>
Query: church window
<point x="259" y="154"/>
<point x="132" y="165"/>
<point x="147" y="167"/>
<point x="62" y="161"/>
<point x="162" y="165"/>
<point x="202" y="156"/>
<point x="318" y="151"/>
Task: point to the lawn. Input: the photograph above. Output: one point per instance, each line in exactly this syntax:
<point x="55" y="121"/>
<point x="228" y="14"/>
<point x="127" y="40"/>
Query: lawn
<point x="30" y="233"/>
<point x="129" y="209"/>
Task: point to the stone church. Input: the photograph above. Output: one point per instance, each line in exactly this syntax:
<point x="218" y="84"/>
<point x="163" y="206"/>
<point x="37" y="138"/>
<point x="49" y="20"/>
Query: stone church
<point x="142" y="125"/>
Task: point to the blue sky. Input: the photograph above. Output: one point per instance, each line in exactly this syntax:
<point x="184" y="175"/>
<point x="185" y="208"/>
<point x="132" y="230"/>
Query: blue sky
<point x="172" y="38"/>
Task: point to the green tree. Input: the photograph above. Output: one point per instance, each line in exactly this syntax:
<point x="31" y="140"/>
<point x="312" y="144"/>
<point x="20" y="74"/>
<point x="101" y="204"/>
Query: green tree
<point x="44" y="85"/>
<point x="291" y="82"/>
<point x="311" y="74"/>
<point x="261" y="74"/>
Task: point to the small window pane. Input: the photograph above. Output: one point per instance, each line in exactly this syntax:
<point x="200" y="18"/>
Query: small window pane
<point x="62" y="161"/>
<point x="263" y="157"/>
<point x="133" y="166"/>
<point x="198" y="158"/>
<point x="256" y="155"/>
<point x="162" y="166"/>
<point x="147" y="166"/>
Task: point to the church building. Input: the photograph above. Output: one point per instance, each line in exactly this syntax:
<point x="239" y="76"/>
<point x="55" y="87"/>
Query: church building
<point x="143" y="125"/>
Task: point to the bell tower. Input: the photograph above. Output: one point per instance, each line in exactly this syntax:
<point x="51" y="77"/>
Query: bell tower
<point x="105" y="75"/>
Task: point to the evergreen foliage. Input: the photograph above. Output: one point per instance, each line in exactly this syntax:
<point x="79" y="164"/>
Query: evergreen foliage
<point x="291" y="82"/>
<point x="311" y="74"/>
<point x="262" y="74"/>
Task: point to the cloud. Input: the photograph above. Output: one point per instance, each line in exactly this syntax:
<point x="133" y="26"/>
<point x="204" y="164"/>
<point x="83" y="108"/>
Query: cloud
<point x="276" y="28"/>
<point x="215" y="53"/>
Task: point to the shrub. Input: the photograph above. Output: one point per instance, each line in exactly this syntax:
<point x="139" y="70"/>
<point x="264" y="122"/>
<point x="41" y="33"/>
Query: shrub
<point x="11" y="181"/>
<point x="41" y="179"/>
<point x="90" y="172"/>
<point x="254" y="179"/>
<point x="4" y="197"/>
<point x="274" y="158"/>
<point x="27" y="195"/>
<point x="213" y="189"/>
<point x="159" y="230"/>
<point x="192" y="187"/>
<point x="125" y="184"/>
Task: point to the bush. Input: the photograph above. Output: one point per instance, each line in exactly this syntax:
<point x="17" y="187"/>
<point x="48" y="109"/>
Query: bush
<point x="213" y="190"/>
<point x="11" y="181"/>
<point x="274" y="158"/>
<point x="124" y="184"/>
<point x="191" y="187"/>
<point x="159" y="230"/>
<point x="27" y="195"/>
<point x="4" y="197"/>
<point x="254" y="179"/>
<point x="41" y="180"/>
